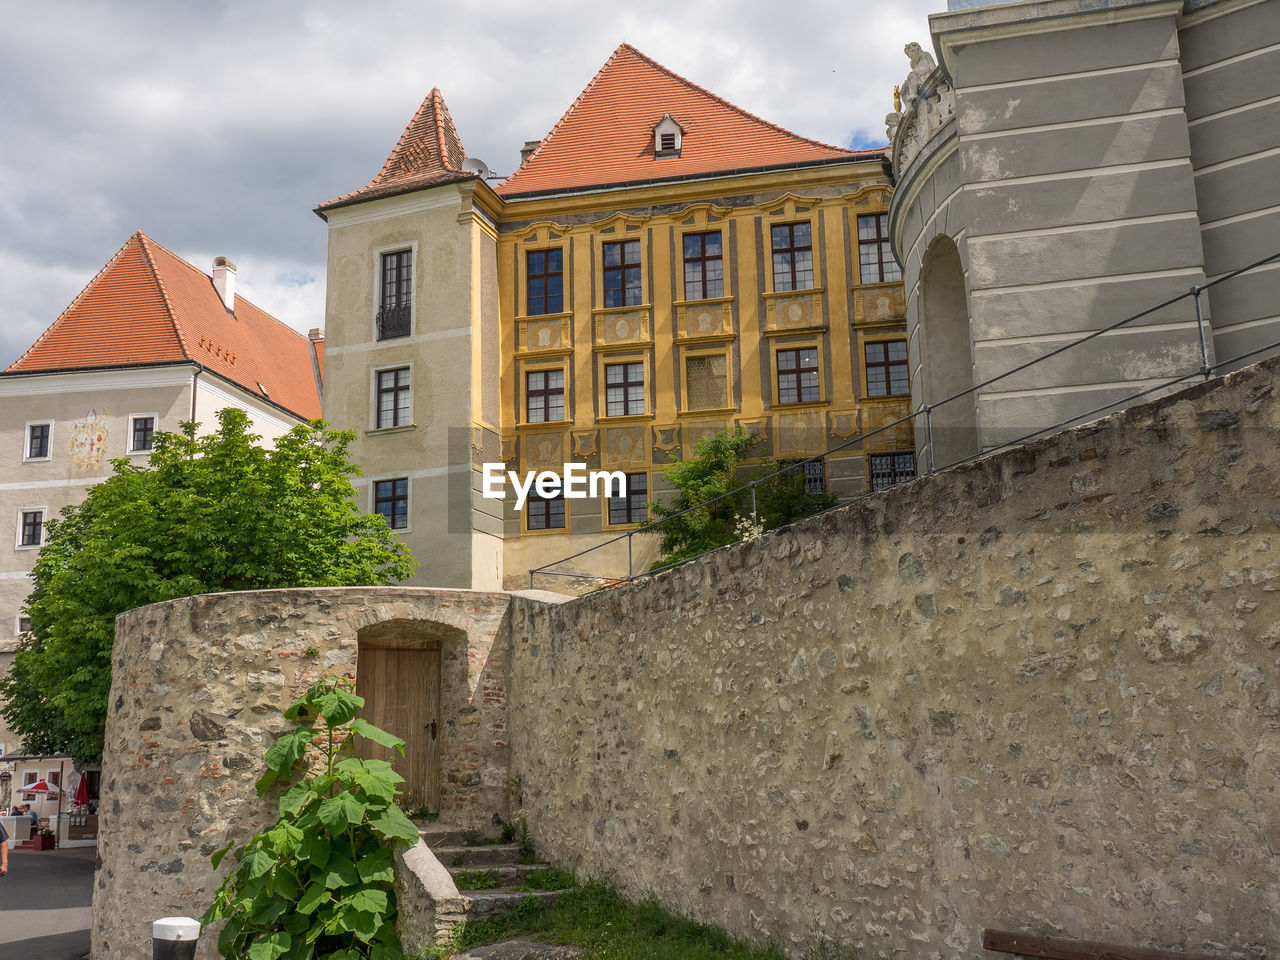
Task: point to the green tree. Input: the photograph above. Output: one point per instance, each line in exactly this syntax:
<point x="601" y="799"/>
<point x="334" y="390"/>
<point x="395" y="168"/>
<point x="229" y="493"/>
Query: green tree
<point x="713" y="472"/>
<point x="208" y="514"/>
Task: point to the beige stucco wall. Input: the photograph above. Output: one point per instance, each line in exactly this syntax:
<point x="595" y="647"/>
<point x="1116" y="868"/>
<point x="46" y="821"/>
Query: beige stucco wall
<point x="1038" y="692"/>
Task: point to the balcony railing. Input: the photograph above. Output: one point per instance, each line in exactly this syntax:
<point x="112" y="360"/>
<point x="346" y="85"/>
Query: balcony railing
<point x="393" y="320"/>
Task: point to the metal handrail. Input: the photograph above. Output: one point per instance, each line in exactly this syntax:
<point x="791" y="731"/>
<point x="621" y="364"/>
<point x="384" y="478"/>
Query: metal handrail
<point x="1205" y="370"/>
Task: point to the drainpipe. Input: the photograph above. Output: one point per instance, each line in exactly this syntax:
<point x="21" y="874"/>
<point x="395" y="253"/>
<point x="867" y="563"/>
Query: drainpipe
<point x="199" y="370"/>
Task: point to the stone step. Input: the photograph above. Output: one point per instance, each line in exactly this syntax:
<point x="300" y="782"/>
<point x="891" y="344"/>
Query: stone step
<point x="469" y="857"/>
<point x="507" y="875"/>
<point x="484" y="904"/>
<point x="443" y="835"/>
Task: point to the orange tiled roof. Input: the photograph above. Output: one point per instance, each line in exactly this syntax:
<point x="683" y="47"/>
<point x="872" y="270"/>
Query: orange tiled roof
<point x="606" y="136"/>
<point x="148" y="305"/>
<point x="429" y="153"/>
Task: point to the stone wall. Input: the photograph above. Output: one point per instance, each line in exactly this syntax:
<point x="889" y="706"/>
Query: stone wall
<point x="1035" y="692"/>
<point x="198" y="688"/>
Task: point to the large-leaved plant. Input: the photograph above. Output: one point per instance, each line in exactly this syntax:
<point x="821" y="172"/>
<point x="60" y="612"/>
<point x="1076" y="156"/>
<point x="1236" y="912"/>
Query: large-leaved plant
<point x="320" y="882"/>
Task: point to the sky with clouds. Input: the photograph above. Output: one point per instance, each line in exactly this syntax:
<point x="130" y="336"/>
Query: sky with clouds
<point x="216" y="128"/>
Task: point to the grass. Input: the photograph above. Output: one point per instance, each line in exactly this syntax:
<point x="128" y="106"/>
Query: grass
<point x="546" y="878"/>
<point x="597" y="919"/>
<point x="475" y="880"/>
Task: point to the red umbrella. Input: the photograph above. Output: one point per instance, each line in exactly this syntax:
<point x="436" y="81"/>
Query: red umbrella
<point x="82" y="792"/>
<point x="40" y="786"/>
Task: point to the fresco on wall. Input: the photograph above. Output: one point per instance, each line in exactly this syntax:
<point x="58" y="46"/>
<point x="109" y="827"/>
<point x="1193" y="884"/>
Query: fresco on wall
<point x="88" y="444"/>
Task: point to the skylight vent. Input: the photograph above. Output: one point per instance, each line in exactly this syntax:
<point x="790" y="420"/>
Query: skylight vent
<point x="667" y="138"/>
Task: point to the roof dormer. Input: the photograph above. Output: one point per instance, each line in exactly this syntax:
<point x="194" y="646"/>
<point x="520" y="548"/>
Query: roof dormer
<point x="667" y="135"/>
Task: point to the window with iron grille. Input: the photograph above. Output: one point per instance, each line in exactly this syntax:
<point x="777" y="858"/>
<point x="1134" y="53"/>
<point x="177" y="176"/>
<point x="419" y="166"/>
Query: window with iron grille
<point x="544" y="396"/>
<point x="703" y="266"/>
<point x="798" y="376"/>
<point x="394" y="398"/>
<point x="887" y="369"/>
<point x="391" y="499"/>
<point x="544" y="513"/>
<point x="875" y="256"/>
<point x="24" y="623"/>
<point x="38" y="441"/>
<point x="792" y="256"/>
<point x="395" y="302"/>
<point x="143" y="430"/>
<point x="622" y="287"/>
<point x="32" y="527"/>
<point x="544" y="282"/>
<point x="706" y="383"/>
<point x="888" y="469"/>
<point x="623" y="389"/>
<point x="634" y="506"/>
<point x="815" y="476"/>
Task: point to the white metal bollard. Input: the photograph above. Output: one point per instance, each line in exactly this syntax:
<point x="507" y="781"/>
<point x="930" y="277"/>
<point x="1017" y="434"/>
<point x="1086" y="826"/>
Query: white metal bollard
<point x="174" y="938"/>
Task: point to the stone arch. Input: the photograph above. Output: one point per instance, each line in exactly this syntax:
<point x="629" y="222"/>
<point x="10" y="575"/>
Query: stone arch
<point x="946" y="360"/>
<point x="402" y="670"/>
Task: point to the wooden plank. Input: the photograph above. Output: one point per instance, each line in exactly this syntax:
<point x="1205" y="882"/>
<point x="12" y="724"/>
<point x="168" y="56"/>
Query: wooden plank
<point x="1061" y="948"/>
<point x="401" y="688"/>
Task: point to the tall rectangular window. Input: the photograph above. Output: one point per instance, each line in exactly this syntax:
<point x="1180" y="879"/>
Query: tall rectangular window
<point x="815" y="476"/>
<point x="143" y="430"/>
<point x="396" y="300"/>
<point x="544" y="396"/>
<point x="703" y="266"/>
<point x="888" y="469"/>
<point x="32" y="525"/>
<point x="633" y="507"/>
<point x="792" y="256"/>
<point x="391" y="499"/>
<point x="394" y="398"/>
<point x="622" y="286"/>
<point x="38" y="441"/>
<point x="544" y="513"/>
<point x="706" y="383"/>
<point x="623" y="389"/>
<point x="875" y="255"/>
<point x="798" y="376"/>
<point x="544" y="282"/>
<point x="887" y="369"/>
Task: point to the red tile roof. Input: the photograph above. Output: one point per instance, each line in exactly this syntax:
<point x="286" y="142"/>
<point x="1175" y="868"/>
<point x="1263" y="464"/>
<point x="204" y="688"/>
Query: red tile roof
<point x="606" y="136"/>
<point x="148" y="305"/>
<point x="428" y="154"/>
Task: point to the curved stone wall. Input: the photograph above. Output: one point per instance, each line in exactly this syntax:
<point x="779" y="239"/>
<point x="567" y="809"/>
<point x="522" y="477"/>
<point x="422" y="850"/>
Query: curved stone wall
<point x="198" y="687"/>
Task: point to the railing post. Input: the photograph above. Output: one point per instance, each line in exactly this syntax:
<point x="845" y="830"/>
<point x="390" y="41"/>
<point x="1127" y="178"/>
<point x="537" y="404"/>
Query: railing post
<point x="630" y="570"/>
<point x="928" y="428"/>
<point x="754" y="520"/>
<point x="1205" y="369"/>
<point x="530" y="579"/>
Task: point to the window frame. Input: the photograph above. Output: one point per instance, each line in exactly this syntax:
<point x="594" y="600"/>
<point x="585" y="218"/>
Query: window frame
<point x="621" y="268"/>
<point x="686" y="400"/>
<point x="546" y="392"/>
<point x="133" y="418"/>
<point x="26" y="441"/>
<point x="888" y="366"/>
<point x="627" y="382"/>
<point x="379" y="255"/>
<point x="702" y="262"/>
<point x="798" y="371"/>
<point x="883" y="249"/>
<point x="529" y="275"/>
<point x="891" y="454"/>
<point x="377" y="390"/>
<point x="375" y="500"/>
<point x="18" y="628"/>
<point x="630" y="506"/>
<point x="790" y="252"/>
<point x="547" y="502"/>
<point x="20" y="534"/>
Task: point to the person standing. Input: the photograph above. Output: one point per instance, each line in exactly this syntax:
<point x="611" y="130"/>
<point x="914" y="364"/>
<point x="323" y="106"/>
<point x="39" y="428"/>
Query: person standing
<point x="4" y="851"/>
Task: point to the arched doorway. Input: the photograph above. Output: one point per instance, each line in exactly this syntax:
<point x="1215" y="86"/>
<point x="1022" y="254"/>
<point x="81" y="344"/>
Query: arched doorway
<point x="947" y="355"/>
<point x="398" y="674"/>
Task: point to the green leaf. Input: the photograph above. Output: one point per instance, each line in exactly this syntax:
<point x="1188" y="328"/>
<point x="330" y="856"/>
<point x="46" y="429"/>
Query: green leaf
<point x="339" y="811"/>
<point x="392" y="823"/>
<point x="219" y="854"/>
<point x="270" y="948"/>
<point x="340" y="872"/>
<point x="370" y="900"/>
<point x="229" y="938"/>
<point x="294" y="799"/>
<point x="284" y="838"/>
<point x="312" y="897"/>
<point x="377" y="867"/>
<point x="267" y="911"/>
<point x="257" y="863"/>
<point x="288" y="750"/>
<point x="338" y="706"/>
<point x="364" y="728"/>
<point x="315" y="850"/>
<point x="363" y="925"/>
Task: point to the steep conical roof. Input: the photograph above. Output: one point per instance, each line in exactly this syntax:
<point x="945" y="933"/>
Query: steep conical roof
<point x="428" y="153"/>
<point x="149" y="306"/>
<point x="606" y="136"/>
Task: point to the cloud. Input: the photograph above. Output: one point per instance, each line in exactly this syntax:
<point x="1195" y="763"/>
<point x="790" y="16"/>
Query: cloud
<point x="219" y="127"/>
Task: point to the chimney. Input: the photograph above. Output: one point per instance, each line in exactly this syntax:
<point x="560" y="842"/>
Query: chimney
<point x="528" y="148"/>
<point x="224" y="281"/>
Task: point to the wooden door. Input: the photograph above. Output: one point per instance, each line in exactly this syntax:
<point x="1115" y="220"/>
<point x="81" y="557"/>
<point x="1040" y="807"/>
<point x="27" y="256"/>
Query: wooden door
<point x="401" y="690"/>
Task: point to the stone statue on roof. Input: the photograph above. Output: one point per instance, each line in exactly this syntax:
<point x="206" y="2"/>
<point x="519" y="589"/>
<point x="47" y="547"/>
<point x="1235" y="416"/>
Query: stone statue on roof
<point x="922" y="65"/>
